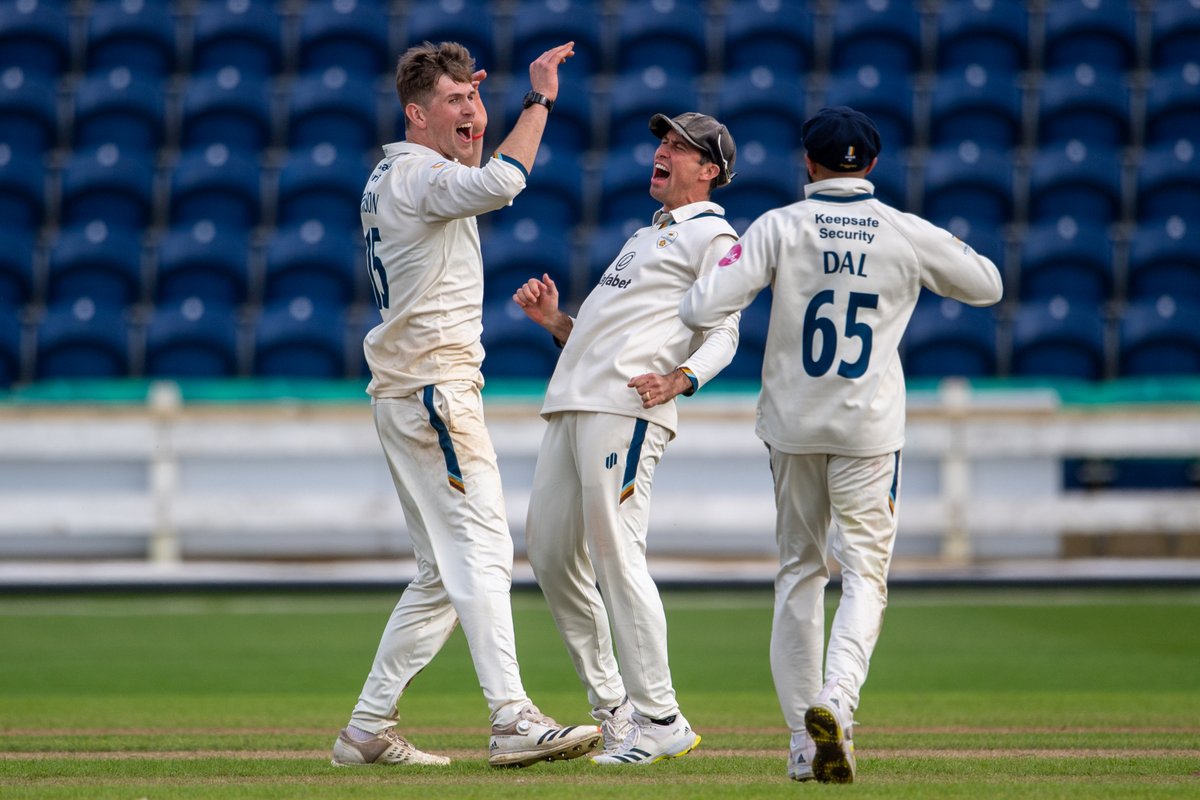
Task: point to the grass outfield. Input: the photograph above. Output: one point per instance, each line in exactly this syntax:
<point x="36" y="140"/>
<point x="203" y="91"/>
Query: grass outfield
<point x="981" y="693"/>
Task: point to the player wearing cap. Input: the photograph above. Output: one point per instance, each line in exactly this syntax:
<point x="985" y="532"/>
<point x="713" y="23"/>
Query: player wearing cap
<point x="418" y="215"/>
<point x="610" y="413"/>
<point x="845" y="271"/>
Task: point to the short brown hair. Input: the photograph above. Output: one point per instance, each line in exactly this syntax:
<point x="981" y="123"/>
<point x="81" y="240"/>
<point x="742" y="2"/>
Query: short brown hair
<point x="422" y="66"/>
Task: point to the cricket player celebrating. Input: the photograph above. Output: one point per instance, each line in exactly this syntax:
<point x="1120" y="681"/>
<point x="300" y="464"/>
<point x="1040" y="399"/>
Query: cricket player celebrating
<point x="610" y="412"/>
<point x="845" y="272"/>
<point x="418" y="216"/>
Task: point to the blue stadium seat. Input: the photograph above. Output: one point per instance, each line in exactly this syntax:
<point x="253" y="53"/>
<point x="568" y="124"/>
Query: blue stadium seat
<point x="1164" y="260"/>
<point x="95" y="261"/>
<point x="635" y="97"/>
<point x="140" y="36"/>
<point x="1168" y="182"/>
<point x="777" y="34"/>
<point x="1067" y="258"/>
<point x="889" y="177"/>
<point x="1174" y="34"/>
<point x="976" y="105"/>
<point x="22" y="188"/>
<point x="553" y="196"/>
<point x="986" y="239"/>
<point x="625" y="189"/>
<point x="226" y="107"/>
<point x="203" y="260"/>
<point x="28" y="111"/>
<point x="1101" y="33"/>
<point x="752" y="342"/>
<point x="471" y="24"/>
<point x="218" y="184"/>
<point x="1075" y="180"/>
<point x="513" y="345"/>
<point x="16" y="267"/>
<point x="81" y="340"/>
<point x="325" y="183"/>
<point x="574" y="128"/>
<point x="1159" y="337"/>
<point x="969" y="182"/>
<point x="992" y="35"/>
<point x="359" y="322"/>
<point x="885" y="35"/>
<point x="300" y="339"/>
<point x="947" y="338"/>
<point x="346" y="34"/>
<point x="605" y="244"/>
<point x="1058" y="339"/>
<point x="194" y="339"/>
<point x="666" y="34"/>
<point x="332" y="106"/>
<point x="884" y="96"/>
<point x="760" y="184"/>
<point x="122" y="107"/>
<point x="237" y="33"/>
<point x="110" y="183"/>
<point x="1086" y="104"/>
<point x="764" y="106"/>
<point x="513" y="255"/>
<point x="11" y="345"/>
<point x="311" y="260"/>
<point x="538" y="25"/>
<point x="1173" y="106"/>
<point x="35" y="36"/>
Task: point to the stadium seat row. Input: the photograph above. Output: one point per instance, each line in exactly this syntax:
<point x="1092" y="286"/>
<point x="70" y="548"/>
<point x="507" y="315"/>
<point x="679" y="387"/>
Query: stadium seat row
<point x="505" y="35"/>
<point x="765" y="106"/>
<point x="301" y="338"/>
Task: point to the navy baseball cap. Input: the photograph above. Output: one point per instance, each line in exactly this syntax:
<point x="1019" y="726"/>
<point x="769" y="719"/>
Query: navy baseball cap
<point x="841" y="139"/>
<point x="703" y="133"/>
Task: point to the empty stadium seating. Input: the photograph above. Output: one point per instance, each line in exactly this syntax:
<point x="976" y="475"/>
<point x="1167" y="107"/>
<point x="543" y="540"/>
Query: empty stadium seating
<point x="1159" y="337"/>
<point x="945" y="337"/>
<point x="205" y="136"/>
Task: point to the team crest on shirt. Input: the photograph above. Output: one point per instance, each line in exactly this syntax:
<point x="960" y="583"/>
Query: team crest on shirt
<point x="733" y="255"/>
<point x="667" y="239"/>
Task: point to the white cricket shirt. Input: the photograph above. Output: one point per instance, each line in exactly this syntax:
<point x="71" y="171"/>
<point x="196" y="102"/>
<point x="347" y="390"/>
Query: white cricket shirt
<point x="629" y="324"/>
<point x="845" y="272"/>
<point x="418" y="216"/>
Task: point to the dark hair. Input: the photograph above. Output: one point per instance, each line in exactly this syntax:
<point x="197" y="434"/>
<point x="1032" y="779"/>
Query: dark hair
<point x="422" y="66"/>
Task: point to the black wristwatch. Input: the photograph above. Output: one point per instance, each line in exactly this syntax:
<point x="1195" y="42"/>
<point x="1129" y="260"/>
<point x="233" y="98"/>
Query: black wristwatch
<point x="540" y="99"/>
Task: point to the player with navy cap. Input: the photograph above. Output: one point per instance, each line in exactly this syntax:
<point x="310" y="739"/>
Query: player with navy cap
<point x="845" y="271"/>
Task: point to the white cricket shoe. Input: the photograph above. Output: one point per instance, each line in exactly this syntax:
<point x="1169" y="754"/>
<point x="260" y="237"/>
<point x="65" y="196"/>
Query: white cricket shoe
<point x="534" y="737"/>
<point x="651" y="741"/>
<point x="388" y="747"/>
<point x="800" y="757"/>
<point x="830" y="723"/>
<point x="615" y="724"/>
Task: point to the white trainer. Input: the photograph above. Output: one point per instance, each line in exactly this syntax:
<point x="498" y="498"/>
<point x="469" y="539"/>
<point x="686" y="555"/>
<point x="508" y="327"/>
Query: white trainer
<point x="800" y="757"/>
<point x="830" y="723"/>
<point x="388" y="747"/>
<point x="651" y="741"/>
<point x="534" y="737"/>
<point x="615" y="723"/>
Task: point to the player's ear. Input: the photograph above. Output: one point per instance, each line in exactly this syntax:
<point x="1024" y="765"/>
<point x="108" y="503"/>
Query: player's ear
<point x="871" y="166"/>
<point x="709" y="171"/>
<point x="415" y="115"/>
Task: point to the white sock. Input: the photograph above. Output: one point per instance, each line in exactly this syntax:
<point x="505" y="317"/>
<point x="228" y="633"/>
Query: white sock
<point x="357" y="734"/>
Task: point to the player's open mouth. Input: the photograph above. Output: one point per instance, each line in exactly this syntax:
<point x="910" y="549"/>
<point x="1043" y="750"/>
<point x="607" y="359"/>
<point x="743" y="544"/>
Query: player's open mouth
<point x="661" y="171"/>
<point x="464" y="132"/>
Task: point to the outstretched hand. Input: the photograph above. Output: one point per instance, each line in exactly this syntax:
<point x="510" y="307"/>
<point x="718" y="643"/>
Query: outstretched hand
<point x="543" y="72"/>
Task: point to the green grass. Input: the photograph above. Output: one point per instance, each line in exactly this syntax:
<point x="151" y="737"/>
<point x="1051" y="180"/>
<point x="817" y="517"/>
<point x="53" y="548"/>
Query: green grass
<point x="984" y="693"/>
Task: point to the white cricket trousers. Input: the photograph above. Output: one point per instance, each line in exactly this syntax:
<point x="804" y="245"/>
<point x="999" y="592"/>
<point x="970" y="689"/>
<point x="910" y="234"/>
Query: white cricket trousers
<point x="444" y="467"/>
<point x="588" y="514"/>
<point x="860" y="494"/>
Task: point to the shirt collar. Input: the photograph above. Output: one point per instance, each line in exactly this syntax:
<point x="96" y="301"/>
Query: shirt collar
<point x="848" y="188"/>
<point x="664" y="217"/>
